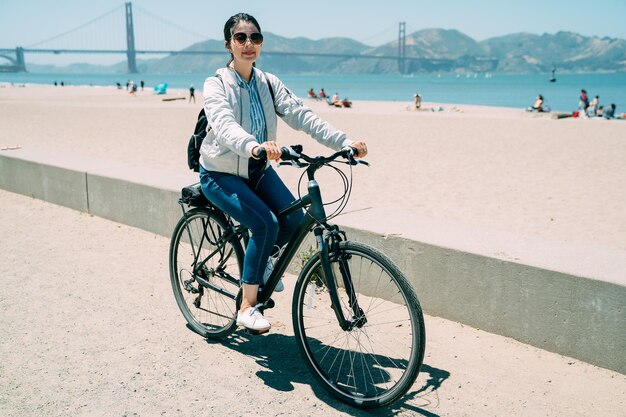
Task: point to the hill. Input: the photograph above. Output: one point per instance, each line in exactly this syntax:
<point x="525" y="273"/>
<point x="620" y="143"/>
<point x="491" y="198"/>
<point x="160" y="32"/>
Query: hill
<point x="427" y="50"/>
<point x="568" y="51"/>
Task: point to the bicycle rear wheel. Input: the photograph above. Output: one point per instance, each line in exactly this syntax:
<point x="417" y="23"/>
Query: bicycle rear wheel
<point x="205" y="272"/>
<point x="378" y="360"/>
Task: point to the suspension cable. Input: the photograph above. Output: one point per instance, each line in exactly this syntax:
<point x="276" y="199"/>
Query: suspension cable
<point x="162" y="20"/>
<point x="75" y="29"/>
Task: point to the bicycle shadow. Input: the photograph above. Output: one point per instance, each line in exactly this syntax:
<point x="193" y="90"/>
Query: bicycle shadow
<point x="283" y="367"/>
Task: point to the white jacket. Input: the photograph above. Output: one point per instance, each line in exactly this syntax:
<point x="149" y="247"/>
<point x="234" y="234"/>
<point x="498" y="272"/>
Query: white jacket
<point x="228" y="144"/>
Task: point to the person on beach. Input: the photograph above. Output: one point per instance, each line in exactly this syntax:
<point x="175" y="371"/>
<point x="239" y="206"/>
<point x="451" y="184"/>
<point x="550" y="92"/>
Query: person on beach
<point x="192" y="93"/>
<point x="417" y="101"/>
<point x="592" y="110"/>
<point x="584" y="102"/>
<point x="609" y="112"/>
<point x="538" y="105"/>
<point x="600" y="111"/>
<point x="241" y="103"/>
<point x="335" y="100"/>
<point x="323" y="94"/>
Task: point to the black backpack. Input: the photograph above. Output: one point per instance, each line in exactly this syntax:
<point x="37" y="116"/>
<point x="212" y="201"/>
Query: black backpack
<point x="199" y="133"/>
<point x="195" y="141"/>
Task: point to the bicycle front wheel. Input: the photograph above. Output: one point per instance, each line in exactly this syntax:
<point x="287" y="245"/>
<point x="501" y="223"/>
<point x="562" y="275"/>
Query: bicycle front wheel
<point x="205" y="270"/>
<point x="376" y="361"/>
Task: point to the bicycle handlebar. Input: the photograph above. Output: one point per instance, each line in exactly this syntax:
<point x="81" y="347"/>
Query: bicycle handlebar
<point x="295" y="155"/>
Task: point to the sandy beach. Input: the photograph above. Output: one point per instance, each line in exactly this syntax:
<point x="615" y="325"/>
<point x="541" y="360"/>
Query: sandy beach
<point x="101" y="335"/>
<point x="495" y="168"/>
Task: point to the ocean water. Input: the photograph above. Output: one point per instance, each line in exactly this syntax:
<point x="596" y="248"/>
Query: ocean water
<point x="502" y="90"/>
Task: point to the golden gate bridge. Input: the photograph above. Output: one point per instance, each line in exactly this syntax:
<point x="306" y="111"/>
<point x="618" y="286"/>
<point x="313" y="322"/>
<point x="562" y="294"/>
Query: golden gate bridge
<point x="108" y="29"/>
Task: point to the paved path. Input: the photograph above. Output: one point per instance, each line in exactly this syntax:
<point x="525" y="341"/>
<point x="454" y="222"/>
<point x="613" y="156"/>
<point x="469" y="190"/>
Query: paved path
<point x="90" y="327"/>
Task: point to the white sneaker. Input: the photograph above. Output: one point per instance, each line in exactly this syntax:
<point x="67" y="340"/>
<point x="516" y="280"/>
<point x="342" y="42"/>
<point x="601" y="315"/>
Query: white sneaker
<point x="253" y="319"/>
<point x="269" y="267"/>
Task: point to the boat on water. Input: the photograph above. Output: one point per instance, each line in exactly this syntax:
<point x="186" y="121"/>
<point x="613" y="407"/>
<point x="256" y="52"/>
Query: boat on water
<point x="553" y="78"/>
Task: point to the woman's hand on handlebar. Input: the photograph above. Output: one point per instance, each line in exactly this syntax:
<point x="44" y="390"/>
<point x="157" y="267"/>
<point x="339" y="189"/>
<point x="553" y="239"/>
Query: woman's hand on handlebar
<point x="361" y="149"/>
<point x="272" y="150"/>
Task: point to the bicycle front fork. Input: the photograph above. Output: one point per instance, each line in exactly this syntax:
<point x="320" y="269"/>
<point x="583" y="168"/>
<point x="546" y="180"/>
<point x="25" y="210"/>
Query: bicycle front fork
<point x="329" y="247"/>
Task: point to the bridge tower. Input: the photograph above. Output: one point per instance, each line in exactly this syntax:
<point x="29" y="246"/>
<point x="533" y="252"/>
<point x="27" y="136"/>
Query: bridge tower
<point x="20" y="63"/>
<point x="401" y="47"/>
<point x="130" y="40"/>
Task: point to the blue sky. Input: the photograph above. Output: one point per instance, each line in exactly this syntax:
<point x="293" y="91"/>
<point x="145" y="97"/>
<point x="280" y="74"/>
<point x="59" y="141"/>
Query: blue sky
<point x="23" y="23"/>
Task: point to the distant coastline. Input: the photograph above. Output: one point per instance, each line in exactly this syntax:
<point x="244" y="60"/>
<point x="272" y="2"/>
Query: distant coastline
<point x="499" y="90"/>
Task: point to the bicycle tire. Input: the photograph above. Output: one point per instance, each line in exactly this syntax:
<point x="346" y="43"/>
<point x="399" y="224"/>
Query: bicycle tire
<point x="369" y="366"/>
<point x="210" y="309"/>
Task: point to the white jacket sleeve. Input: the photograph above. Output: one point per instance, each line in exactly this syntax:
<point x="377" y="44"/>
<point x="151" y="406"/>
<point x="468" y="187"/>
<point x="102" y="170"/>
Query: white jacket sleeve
<point x="292" y="110"/>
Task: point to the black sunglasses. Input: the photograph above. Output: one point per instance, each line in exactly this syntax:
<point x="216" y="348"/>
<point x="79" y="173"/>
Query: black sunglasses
<point x="241" y="38"/>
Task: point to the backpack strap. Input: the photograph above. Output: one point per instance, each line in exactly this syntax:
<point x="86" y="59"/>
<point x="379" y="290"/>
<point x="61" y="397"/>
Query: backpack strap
<point x="269" y="85"/>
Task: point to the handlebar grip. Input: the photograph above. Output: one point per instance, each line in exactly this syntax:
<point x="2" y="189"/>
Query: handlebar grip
<point x="287" y="153"/>
<point x="350" y="151"/>
<point x="290" y="153"/>
<point x="261" y="153"/>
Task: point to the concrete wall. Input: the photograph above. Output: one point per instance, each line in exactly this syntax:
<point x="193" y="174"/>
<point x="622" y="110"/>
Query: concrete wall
<point x="577" y="311"/>
<point x="564" y="313"/>
<point x="142" y="197"/>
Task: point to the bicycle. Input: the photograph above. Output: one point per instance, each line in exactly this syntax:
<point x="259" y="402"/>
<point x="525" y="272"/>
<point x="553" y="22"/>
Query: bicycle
<point x="357" y="321"/>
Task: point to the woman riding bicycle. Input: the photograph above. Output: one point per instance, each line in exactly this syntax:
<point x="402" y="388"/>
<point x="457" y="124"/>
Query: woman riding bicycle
<point x="241" y="104"/>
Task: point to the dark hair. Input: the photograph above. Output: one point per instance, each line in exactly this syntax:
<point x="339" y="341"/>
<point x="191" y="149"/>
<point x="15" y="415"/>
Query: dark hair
<point x="234" y="21"/>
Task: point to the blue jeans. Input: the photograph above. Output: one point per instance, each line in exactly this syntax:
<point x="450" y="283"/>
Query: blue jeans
<point x="254" y="203"/>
